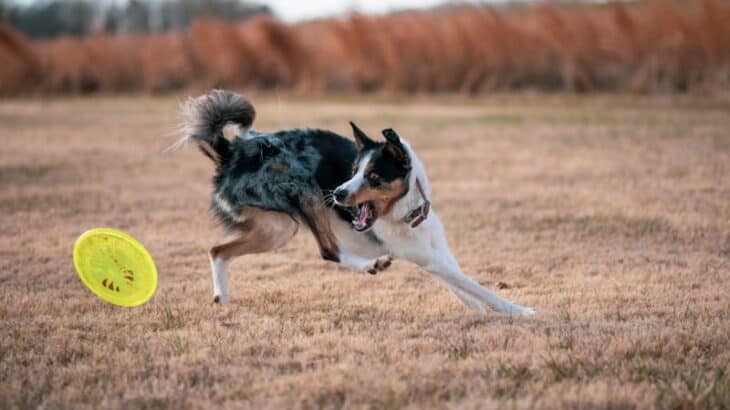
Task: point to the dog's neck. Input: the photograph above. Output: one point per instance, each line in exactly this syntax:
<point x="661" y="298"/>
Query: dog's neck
<point x="413" y="197"/>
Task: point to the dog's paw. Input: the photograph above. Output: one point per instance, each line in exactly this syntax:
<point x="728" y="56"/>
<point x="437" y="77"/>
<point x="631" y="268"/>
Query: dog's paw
<point x="220" y="299"/>
<point x="521" y="310"/>
<point x="380" y="264"/>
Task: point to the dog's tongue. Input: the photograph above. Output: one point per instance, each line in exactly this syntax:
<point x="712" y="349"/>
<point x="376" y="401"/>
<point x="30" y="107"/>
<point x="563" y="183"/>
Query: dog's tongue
<point x="362" y="217"/>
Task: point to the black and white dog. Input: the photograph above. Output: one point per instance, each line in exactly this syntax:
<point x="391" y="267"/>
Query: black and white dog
<point x="365" y="203"/>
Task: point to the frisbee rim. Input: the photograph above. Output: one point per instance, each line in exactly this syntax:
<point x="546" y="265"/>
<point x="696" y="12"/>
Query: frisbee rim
<point x="131" y="242"/>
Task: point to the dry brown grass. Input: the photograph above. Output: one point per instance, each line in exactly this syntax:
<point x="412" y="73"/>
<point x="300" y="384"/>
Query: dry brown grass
<point x="610" y="215"/>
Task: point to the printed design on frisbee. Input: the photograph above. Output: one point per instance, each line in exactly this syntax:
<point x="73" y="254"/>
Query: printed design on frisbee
<point x="115" y="266"/>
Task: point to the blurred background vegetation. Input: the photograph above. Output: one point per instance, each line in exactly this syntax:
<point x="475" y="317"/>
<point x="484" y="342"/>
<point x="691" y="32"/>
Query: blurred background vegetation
<point x="77" y="46"/>
<point x="78" y="17"/>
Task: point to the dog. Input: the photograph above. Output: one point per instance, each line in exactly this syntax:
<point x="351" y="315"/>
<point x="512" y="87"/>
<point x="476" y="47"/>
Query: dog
<point x="365" y="202"/>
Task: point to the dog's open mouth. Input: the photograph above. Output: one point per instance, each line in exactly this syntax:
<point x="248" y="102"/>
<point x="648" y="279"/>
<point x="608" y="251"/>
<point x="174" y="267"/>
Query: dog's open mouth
<point x="366" y="216"/>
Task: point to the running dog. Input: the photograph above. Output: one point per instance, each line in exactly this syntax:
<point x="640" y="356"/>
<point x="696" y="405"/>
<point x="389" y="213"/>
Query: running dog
<point x="365" y="202"/>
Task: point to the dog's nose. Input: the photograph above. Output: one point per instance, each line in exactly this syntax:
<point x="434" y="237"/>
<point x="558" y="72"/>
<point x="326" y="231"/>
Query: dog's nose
<point x="341" y="194"/>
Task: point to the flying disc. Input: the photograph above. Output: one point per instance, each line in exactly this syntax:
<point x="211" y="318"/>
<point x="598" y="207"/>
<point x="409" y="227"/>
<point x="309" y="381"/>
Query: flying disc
<point x="115" y="267"/>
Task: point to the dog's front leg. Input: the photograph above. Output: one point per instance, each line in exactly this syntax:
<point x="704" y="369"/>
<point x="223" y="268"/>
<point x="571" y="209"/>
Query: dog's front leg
<point x="371" y="266"/>
<point x="316" y="216"/>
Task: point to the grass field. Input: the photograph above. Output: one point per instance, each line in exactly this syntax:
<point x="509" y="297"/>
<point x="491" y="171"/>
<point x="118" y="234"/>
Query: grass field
<point x="609" y="214"/>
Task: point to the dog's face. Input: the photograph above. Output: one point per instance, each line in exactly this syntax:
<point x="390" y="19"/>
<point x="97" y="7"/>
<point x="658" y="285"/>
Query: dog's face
<point x="379" y="177"/>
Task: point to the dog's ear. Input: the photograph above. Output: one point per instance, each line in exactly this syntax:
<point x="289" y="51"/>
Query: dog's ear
<point x="361" y="139"/>
<point x="395" y="147"/>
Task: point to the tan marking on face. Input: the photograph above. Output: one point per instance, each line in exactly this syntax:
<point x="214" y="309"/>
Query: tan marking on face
<point x="364" y="194"/>
<point x="396" y="189"/>
<point x="383" y="196"/>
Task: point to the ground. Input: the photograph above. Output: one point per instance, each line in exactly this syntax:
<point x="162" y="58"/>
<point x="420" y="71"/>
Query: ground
<point x="610" y="215"/>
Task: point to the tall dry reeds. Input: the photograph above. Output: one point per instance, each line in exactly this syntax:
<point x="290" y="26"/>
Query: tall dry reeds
<point x="166" y="61"/>
<point x="95" y="63"/>
<point x="276" y="56"/>
<point x="220" y="58"/>
<point x="20" y="67"/>
<point x="651" y="47"/>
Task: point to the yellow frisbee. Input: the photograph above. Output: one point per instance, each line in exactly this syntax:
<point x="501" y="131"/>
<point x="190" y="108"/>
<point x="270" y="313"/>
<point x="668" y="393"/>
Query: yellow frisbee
<point x="115" y="266"/>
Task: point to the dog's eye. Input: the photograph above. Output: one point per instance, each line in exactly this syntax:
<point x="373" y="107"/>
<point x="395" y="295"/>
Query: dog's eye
<point x="373" y="179"/>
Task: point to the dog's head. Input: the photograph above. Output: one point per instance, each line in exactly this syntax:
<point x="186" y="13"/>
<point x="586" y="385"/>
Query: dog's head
<point x="379" y="177"/>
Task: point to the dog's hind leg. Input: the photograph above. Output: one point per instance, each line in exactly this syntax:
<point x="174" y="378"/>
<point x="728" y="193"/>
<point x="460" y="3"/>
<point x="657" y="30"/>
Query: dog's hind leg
<point x="467" y="300"/>
<point x="448" y="271"/>
<point x="261" y="231"/>
<point x="431" y="251"/>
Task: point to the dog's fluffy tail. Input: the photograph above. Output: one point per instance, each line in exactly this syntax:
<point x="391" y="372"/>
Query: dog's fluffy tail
<point x="207" y="115"/>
